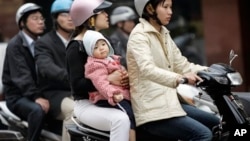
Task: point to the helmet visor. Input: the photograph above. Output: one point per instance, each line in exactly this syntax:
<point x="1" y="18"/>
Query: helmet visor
<point x="103" y="6"/>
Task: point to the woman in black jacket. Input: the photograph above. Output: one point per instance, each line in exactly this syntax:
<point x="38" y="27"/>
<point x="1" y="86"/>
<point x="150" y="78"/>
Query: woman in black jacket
<point x="91" y="15"/>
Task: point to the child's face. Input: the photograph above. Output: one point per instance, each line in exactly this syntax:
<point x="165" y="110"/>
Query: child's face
<point x="101" y="49"/>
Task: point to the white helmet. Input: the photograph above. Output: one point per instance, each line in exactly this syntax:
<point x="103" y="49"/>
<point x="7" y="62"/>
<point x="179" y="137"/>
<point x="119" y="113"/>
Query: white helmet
<point x="89" y="40"/>
<point x="140" y="5"/>
<point x="81" y="10"/>
<point x="122" y="13"/>
<point x="27" y="7"/>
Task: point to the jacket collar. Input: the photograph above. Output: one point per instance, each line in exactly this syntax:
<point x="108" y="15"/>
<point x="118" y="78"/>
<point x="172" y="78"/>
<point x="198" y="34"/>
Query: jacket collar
<point x="149" y="28"/>
<point x="64" y="41"/>
<point x="25" y="42"/>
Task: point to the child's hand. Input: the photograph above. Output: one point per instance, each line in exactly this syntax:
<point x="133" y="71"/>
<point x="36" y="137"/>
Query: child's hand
<point x="118" y="97"/>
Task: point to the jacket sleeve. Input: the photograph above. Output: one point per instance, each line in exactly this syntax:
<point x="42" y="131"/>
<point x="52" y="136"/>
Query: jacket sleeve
<point x="98" y="74"/>
<point x="139" y="45"/>
<point x="139" y="53"/>
<point x="46" y="65"/>
<point x="21" y="74"/>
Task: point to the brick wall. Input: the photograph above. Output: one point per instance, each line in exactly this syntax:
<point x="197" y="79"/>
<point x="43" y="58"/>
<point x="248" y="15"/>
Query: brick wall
<point x="8" y="27"/>
<point x="223" y="32"/>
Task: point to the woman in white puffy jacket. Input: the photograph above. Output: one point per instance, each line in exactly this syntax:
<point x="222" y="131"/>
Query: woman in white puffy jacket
<point x="156" y="67"/>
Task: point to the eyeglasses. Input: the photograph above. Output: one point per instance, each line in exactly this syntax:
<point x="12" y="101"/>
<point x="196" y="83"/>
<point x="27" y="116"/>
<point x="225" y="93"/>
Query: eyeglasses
<point x="37" y="18"/>
<point x="64" y="14"/>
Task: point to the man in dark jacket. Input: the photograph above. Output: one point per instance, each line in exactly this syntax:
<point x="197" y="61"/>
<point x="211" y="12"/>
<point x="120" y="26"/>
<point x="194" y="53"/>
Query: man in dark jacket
<point x="123" y="18"/>
<point x="50" y="55"/>
<point x="19" y="78"/>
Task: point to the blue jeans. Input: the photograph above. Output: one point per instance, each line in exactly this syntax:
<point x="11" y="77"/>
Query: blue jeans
<point x="32" y="113"/>
<point x="196" y="126"/>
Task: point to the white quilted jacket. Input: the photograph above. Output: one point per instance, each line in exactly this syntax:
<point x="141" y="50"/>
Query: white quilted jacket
<point x="154" y="63"/>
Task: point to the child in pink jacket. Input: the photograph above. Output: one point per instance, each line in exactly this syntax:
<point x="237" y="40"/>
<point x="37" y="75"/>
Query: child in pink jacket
<point x="101" y="62"/>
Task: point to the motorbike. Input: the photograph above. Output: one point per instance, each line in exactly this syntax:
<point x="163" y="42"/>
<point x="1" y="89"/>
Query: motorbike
<point x="213" y="94"/>
<point x="218" y="82"/>
<point x="16" y="129"/>
<point x="81" y="132"/>
<point x="12" y="128"/>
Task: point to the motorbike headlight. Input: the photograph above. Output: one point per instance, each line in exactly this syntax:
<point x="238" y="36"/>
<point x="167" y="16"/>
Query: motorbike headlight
<point x="221" y="80"/>
<point x="235" y="78"/>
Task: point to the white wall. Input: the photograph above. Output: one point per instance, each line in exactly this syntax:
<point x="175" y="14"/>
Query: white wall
<point x="2" y="55"/>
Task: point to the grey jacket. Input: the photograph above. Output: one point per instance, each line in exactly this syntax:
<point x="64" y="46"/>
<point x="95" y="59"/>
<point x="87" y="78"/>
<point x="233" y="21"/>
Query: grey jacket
<point x="50" y="56"/>
<point x="119" y="43"/>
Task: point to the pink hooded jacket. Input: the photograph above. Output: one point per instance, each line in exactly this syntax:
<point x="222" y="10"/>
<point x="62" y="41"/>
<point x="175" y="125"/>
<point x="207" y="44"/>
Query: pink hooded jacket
<point x="97" y="70"/>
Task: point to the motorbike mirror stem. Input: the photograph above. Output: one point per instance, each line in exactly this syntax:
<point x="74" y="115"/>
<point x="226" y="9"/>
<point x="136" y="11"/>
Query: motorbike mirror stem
<point x="232" y="56"/>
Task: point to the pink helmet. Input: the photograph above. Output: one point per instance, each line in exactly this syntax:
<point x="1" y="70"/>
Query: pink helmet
<point x="81" y="10"/>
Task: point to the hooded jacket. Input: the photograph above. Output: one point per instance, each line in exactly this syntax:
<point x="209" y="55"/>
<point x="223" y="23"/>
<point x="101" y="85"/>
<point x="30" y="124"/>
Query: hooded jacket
<point x="97" y="70"/>
<point x="154" y="64"/>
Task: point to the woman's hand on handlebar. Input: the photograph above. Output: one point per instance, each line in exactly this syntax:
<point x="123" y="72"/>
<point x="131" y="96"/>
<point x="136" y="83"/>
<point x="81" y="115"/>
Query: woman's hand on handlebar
<point x="192" y="78"/>
<point x="119" y="78"/>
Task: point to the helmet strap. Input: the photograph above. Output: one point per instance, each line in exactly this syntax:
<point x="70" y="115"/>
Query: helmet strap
<point x="154" y="14"/>
<point x="30" y="33"/>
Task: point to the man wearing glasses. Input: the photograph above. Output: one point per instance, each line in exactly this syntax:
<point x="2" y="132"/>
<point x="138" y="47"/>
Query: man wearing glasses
<point x="19" y="78"/>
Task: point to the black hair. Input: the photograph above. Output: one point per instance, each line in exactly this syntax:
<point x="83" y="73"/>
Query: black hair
<point x="83" y="26"/>
<point x="25" y="17"/>
<point x="54" y="21"/>
<point x="78" y="30"/>
<point x="154" y="4"/>
<point x="54" y="17"/>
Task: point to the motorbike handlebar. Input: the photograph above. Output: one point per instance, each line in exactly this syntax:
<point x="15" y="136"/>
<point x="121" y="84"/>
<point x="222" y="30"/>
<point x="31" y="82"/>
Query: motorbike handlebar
<point x="184" y="80"/>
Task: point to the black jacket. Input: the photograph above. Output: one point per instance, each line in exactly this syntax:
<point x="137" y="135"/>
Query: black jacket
<point x="76" y="57"/>
<point x="50" y="53"/>
<point x="19" y="72"/>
